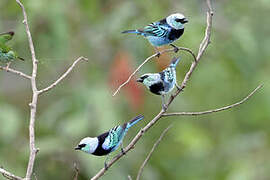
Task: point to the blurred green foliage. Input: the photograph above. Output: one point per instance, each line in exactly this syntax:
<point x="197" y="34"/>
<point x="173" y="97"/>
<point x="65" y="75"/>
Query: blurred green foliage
<point x="231" y="145"/>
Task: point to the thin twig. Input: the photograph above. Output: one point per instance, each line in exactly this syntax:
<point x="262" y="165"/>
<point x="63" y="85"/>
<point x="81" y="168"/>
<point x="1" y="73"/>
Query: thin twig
<point x="214" y="110"/>
<point x="15" y="72"/>
<point x="151" y="152"/>
<point x="149" y="58"/>
<point x="63" y="76"/>
<point x="9" y="175"/>
<point x="33" y="104"/>
<point x="76" y="172"/>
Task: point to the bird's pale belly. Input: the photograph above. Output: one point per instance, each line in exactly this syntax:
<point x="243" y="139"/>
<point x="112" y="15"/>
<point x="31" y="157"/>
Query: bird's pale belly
<point x="158" y="41"/>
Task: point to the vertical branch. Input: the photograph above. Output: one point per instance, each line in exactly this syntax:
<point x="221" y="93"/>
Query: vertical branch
<point x="33" y="104"/>
<point x="35" y="94"/>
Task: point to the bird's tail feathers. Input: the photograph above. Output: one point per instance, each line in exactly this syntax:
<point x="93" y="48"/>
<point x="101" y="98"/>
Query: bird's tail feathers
<point x="136" y="31"/>
<point x="134" y="121"/>
<point x="175" y="61"/>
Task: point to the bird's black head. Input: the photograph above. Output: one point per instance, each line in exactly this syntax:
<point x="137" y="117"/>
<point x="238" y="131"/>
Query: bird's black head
<point x="80" y="146"/>
<point x="11" y="33"/>
<point x="142" y="78"/>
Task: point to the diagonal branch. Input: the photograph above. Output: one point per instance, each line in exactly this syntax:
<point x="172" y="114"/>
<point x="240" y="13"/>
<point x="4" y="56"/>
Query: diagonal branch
<point x="204" y="44"/>
<point x="214" y="110"/>
<point x="63" y="76"/>
<point x="9" y="175"/>
<point x="202" y="49"/>
<point x="19" y="73"/>
<point x="148" y="59"/>
<point x="151" y="152"/>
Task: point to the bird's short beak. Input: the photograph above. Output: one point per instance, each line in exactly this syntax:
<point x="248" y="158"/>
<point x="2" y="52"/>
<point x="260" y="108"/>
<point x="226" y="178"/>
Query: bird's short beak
<point x="139" y="80"/>
<point x="4" y="33"/>
<point x="185" y="21"/>
<point x="77" y="148"/>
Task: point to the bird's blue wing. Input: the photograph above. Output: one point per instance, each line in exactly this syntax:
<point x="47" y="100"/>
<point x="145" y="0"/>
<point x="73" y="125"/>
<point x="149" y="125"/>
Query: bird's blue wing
<point x="157" y="29"/>
<point x="114" y="138"/>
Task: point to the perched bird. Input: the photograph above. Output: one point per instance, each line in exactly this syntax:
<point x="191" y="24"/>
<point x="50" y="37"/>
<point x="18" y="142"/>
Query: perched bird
<point x="163" y="32"/>
<point x="107" y="142"/>
<point x="6" y="53"/>
<point x="163" y="82"/>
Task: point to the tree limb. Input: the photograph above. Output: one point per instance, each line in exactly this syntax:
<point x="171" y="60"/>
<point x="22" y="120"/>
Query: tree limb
<point x="33" y="104"/>
<point x="204" y="44"/>
<point x="214" y="110"/>
<point x="35" y="93"/>
<point x="9" y="175"/>
<point x="63" y="76"/>
<point x="151" y="152"/>
<point x="19" y="73"/>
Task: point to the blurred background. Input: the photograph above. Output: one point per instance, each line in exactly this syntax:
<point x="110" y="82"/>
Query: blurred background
<point x="231" y="145"/>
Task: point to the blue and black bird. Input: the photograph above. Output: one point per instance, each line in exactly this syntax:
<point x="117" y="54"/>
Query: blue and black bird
<point x="163" y="82"/>
<point x="107" y="142"/>
<point x="7" y="55"/>
<point x="163" y="32"/>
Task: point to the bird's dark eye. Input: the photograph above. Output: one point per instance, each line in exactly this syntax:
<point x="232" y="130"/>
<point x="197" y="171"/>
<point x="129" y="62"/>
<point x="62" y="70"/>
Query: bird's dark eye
<point x="82" y="145"/>
<point x="145" y="76"/>
<point x="178" y="20"/>
<point x="183" y="20"/>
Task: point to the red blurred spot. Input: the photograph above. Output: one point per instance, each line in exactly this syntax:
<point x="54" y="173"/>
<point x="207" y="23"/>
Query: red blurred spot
<point x="120" y="70"/>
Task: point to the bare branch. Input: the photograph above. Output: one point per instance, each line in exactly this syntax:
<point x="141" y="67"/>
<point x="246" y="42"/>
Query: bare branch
<point x="19" y="73"/>
<point x="149" y="58"/>
<point x="214" y="110"/>
<point x="9" y="175"/>
<point x="76" y="172"/>
<point x="33" y="104"/>
<point x="151" y="152"/>
<point x="63" y="76"/>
